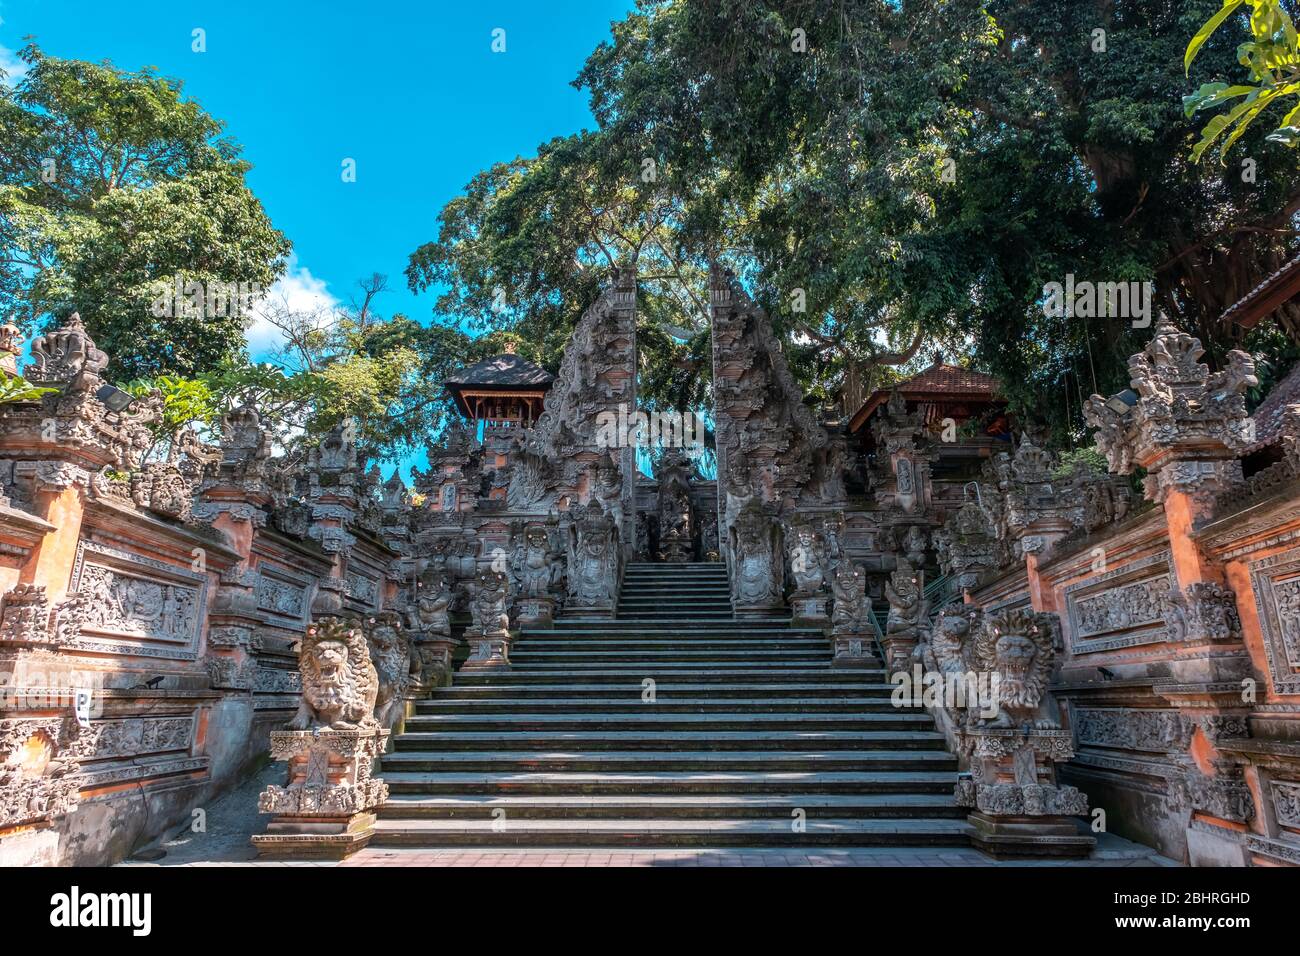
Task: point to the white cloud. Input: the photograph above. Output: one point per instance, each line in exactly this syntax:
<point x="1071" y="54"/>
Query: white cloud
<point x="13" y="67"/>
<point x="296" y="291"/>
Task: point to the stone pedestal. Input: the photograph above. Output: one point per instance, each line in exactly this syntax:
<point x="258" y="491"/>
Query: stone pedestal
<point x="535" y="611"/>
<point x="853" y="650"/>
<point x="1011" y="837"/>
<point x="491" y="650"/>
<point x="1018" y="808"/>
<point x="898" y="650"/>
<point x="326" y="810"/>
<point x="810" y="610"/>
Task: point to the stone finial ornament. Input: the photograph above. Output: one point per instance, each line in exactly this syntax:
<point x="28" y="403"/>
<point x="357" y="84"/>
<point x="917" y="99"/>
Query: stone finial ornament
<point x="1181" y="422"/>
<point x="65" y="354"/>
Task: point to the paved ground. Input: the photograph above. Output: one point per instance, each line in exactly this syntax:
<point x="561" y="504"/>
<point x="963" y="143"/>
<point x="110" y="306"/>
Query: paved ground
<point x="233" y="818"/>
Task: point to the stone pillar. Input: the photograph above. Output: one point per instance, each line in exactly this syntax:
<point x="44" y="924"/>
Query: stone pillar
<point x="1187" y="426"/>
<point x="1017" y="807"/>
<point x="326" y="807"/>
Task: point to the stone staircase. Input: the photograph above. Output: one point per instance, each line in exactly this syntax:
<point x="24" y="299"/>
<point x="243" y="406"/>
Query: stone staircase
<point x="745" y="737"/>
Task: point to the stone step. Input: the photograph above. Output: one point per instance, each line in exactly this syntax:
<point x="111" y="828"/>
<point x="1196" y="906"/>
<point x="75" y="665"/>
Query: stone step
<point x="812" y="708"/>
<point x="888" y="831"/>
<point x="730" y="806"/>
<point x="670" y="615"/>
<point x="626" y="689"/>
<point x="772" y="624"/>
<point x="602" y="673"/>
<point x="669" y="783"/>
<point x="650" y="718"/>
<point x="530" y="655"/>
<point x="676" y="586"/>
<point x="657" y="602"/>
<point x="605" y="632"/>
<point x="536" y="642"/>
<point x="497" y="761"/>
<point x="662" y="741"/>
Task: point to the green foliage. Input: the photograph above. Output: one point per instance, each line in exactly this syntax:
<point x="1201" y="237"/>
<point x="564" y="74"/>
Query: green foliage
<point x="186" y="402"/>
<point x="924" y="169"/>
<point x="15" y="388"/>
<point x="1089" y="457"/>
<point x="113" y="187"/>
<point x="1272" y="62"/>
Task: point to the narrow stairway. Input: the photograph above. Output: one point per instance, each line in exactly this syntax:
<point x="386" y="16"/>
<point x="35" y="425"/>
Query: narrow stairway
<point x="672" y="725"/>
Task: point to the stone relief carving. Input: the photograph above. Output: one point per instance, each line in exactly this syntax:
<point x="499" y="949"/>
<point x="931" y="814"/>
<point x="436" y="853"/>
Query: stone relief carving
<point x="1205" y="611"/>
<point x="39" y="768"/>
<point x="1286" y="802"/>
<point x="756" y="564"/>
<point x="1276" y="583"/>
<point x="280" y="597"/>
<point x="593" y="558"/>
<point x="134" y="606"/>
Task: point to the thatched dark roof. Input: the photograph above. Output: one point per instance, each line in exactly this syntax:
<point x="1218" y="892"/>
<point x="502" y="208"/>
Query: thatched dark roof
<point x="507" y="370"/>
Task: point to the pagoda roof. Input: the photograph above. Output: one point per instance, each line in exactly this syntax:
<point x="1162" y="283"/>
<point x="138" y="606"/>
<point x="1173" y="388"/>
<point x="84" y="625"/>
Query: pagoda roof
<point x="939" y="382"/>
<point x="506" y="371"/>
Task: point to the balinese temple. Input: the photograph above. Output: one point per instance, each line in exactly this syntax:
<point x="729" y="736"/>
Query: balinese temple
<point x="957" y="410"/>
<point x="502" y="391"/>
<point x="498" y="397"/>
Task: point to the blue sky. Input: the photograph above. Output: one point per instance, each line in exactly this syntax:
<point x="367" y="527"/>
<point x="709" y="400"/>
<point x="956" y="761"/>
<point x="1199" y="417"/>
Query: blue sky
<point x="410" y="90"/>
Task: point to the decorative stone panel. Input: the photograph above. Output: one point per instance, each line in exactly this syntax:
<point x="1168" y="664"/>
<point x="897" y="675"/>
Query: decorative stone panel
<point x="1120" y="608"/>
<point x="1286" y="803"/>
<point x="1159" y="731"/>
<point x="282" y="597"/>
<point x="136" y="605"/>
<point x="1277" y="597"/>
<point x="135" y="736"/>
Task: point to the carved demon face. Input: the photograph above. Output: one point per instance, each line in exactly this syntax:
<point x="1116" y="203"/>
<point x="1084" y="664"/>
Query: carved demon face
<point x="332" y="670"/>
<point x="1015" y="655"/>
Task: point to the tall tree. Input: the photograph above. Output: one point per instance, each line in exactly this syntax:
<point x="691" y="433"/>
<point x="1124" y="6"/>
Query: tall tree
<point x="114" y="189"/>
<point x="909" y="171"/>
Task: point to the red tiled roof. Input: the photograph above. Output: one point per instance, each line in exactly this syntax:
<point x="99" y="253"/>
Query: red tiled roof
<point x="1273" y="292"/>
<point x="1268" y="416"/>
<point x="940" y="380"/>
<point x="948" y="378"/>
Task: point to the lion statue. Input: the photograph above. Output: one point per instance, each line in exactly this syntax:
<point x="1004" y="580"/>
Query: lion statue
<point x="1016" y="648"/>
<point x="339" y="683"/>
<point x="390" y="650"/>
